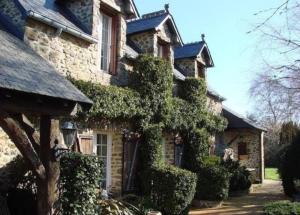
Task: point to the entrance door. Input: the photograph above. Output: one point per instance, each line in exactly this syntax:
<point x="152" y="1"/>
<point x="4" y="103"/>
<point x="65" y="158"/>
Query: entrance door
<point x="102" y="148"/>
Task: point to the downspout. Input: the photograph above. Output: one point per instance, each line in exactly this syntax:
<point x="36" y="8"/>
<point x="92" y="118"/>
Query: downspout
<point x="61" y="27"/>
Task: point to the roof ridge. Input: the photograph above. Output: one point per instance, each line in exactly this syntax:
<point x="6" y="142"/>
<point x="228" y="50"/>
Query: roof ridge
<point x="146" y="17"/>
<point x="193" y="43"/>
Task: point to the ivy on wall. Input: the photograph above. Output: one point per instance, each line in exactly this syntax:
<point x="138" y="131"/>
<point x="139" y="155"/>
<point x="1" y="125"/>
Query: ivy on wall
<point x="149" y="105"/>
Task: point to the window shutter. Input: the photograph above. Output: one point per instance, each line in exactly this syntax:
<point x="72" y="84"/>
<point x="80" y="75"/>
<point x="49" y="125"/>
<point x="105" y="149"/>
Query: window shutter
<point x="113" y="49"/>
<point x="86" y="144"/>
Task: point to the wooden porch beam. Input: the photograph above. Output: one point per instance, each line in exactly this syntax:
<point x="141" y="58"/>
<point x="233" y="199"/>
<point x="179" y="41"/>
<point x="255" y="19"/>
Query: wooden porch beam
<point x="20" y="139"/>
<point x="29" y="129"/>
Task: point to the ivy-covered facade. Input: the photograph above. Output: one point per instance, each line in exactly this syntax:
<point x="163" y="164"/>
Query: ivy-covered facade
<point x="111" y="53"/>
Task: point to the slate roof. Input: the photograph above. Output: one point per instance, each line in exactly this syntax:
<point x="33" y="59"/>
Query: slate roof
<point x="236" y="121"/>
<point x="21" y="69"/>
<point x="145" y="24"/>
<point x="189" y="50"/>
<point x="215" y="94"/>
<point x="54" y="11"/>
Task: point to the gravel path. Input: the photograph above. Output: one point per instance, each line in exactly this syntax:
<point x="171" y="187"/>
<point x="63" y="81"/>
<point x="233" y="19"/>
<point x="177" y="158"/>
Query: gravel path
<point x="251" y="204"/>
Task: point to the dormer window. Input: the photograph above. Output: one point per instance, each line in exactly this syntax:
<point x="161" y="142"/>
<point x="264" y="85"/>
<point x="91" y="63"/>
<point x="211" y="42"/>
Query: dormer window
<point x="107" y="43"/>
<point x="163" y="50"/>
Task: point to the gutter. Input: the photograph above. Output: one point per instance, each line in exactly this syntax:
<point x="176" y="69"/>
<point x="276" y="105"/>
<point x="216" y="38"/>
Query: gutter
<point x="58" y="25"/>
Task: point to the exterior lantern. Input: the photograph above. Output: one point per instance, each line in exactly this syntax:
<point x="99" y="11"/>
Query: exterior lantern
<point x="69" y="131"/>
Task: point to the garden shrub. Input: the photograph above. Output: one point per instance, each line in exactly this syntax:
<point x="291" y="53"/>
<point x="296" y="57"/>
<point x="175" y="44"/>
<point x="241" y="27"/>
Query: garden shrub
<point x="240" y="178"/>
<point x="150" y="155"/>
<point x="195" y="149"/>
<point x="213" y="181"/>
<point x="282" y="208"/>
<point x="80" y="184"/>
<point x="289" y="168"/>
<point x="173" y="189"/>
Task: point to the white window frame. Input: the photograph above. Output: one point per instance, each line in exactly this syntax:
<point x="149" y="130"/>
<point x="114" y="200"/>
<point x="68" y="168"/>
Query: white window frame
<point x="109" y="155"/>
<point x="109" y="41"/>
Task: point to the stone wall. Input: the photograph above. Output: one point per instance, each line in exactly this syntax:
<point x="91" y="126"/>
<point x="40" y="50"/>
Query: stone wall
<point x="73" y="56"/>
<point x="8" y="150"/>
<point x="145" y="41"/>
<point x="187" y="66"/>
<point x="84" y="11"/>
<point x="10" y="10"/>
<point x="214" y="105"/>
<point x="252" y="138"/>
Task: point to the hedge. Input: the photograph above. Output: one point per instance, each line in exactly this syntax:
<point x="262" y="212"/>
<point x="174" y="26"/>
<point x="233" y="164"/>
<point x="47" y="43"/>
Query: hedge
<point x="173" y="189"/>
<point x="80" y="184"/>
<point x="213" y="180"/>
<point x="282" y="208"/>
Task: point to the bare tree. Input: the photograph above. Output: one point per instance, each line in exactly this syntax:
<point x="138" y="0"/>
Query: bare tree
<point x="276" y="87"/>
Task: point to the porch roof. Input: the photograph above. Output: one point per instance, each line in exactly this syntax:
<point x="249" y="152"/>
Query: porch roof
<point x="236" y="121"/>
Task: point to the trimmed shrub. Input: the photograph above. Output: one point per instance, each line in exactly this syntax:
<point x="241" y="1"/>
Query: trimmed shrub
<point x="213" y="183"/>
<point x="173" y="189"/>
<point x="80" y="184"/>
<point x="195" y="149"/>
<point x="213" y="180"/>
<point x="240" y="178"/>
<point x="282" y="208"/>
<point x="150" y="155"/>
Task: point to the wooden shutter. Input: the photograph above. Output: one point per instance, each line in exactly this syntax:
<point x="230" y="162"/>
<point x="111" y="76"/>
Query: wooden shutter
<point x="86" y="144"/>
<point x="130" y="157"/>
<point x="114" y="46"/>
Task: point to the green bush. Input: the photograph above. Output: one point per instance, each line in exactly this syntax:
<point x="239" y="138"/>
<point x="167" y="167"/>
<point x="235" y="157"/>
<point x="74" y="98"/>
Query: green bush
<point x="289" y="168"/>
<point x="213" y="180"/>
<point x="80" y="184"/>
<point x="150" y="155"/>
<point x="195" y="149"/>
<point x="173" y="189"/>
<point x="240" y="178"/>
<point x="282" y="208"/>
<point x="194" y="91"/>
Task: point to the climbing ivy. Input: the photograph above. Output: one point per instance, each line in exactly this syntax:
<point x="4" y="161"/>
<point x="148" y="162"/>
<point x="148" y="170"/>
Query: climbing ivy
<point x="109" y="102"/>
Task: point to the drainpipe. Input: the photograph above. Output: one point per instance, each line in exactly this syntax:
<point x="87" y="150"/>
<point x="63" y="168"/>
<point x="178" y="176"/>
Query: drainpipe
<point x="61" y="27"/>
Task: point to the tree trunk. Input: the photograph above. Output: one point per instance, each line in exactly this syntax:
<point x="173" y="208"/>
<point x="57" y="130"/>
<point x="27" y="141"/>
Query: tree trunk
<point x="48" y="188"/>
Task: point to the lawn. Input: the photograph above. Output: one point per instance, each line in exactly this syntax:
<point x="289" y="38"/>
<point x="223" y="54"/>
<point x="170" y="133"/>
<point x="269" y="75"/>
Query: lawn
<point x="272" y="174"/>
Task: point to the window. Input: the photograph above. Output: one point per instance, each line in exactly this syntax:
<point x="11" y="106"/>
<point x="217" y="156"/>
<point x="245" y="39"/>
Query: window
<point x="163" y="50"/>
<point x="242" y="150"/>
<point x="103" y="148"/>
<point x="107" y="43"/>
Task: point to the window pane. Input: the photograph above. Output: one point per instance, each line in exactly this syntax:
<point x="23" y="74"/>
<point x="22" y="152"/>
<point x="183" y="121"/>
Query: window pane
<point x="105" y="42"/>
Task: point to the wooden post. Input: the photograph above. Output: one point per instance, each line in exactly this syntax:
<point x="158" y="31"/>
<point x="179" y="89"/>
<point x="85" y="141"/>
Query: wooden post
<point x="48" y="188"/>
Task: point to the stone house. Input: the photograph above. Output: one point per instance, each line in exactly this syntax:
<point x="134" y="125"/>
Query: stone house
<point x="96" y="41"/>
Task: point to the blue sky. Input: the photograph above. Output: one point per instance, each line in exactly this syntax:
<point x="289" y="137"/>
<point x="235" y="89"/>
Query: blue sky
<point x="225" y="23"/>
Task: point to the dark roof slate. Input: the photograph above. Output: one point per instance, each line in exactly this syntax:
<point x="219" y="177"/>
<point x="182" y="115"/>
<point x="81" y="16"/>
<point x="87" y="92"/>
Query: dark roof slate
<point x="21" y="69"/>
<point x="145" y="24"/>
<point x="54" y="11"/>
<point x="236" y="121"/>
<point x="188" y="50"/>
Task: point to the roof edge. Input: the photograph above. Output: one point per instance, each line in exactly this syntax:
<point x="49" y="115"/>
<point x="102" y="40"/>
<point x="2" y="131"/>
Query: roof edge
<point x="55" y="24"/>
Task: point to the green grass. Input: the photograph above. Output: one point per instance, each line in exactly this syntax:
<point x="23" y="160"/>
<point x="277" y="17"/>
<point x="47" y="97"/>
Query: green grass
<point x="272" y="174"/>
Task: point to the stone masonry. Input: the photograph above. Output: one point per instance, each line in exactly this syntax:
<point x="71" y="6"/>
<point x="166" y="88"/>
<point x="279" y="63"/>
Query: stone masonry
<point x="253" y="140"/>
